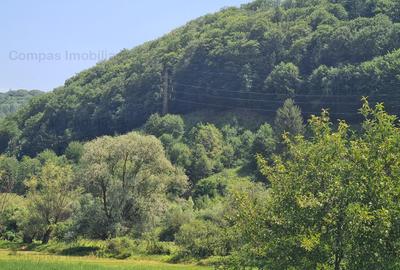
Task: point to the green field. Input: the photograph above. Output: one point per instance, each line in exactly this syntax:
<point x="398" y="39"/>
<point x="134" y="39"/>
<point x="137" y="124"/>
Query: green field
<point x="39" y="261"/>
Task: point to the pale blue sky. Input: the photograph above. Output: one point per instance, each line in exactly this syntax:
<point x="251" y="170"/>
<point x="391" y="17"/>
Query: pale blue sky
<point x="37" y="35"/>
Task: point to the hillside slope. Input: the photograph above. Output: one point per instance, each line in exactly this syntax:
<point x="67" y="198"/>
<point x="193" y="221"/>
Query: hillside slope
<point x="325" y="53"/>
<point x="12" y="100"/>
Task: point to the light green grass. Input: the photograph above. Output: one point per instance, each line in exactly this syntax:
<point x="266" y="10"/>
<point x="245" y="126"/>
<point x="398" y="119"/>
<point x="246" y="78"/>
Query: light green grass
<point x="39" y="261"/>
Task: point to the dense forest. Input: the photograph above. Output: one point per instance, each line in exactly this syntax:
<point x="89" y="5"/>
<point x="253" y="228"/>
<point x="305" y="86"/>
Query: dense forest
<point x="12" y="100"/>
<point x="320" y="53"/>
<point x="220" y="143"/>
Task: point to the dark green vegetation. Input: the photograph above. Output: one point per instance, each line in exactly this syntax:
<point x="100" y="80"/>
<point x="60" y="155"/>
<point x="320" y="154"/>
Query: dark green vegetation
<point x="225" y="196"/>
<point x="12" y="100"/>
<point x="333" y="201"/>
<point x="233" y="176"/>
<point x="320" y="52"/>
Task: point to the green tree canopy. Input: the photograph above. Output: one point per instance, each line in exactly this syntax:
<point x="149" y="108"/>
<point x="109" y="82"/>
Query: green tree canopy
<point x="51" y="197"/>
<point x="288" y="119"/>
<point x="132" y="178"/>
<point x="264" y="142"/>
<point x="169" y="124"/>
<point x="333" y="200"/>
<point x="284" y="79"/>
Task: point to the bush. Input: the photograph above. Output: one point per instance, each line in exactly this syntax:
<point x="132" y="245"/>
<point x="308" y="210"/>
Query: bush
<point x="118" y="248"/>
<point x="64" y="231"/>
<point x="175" y="217"/>
<point x="74" y="151"/>
<point x="264" y="141"/>
<point x="168" y="124"/>
<point x="180" y="155"/>
<point x="199" y="239"/>
<point x="10" y="217"/>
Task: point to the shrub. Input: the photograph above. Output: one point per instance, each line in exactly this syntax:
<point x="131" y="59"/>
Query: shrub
<point x="118" y="248"/>
<point x="198" y="239"/>
<point x="264" y="141"/>
<point x="169" y="124"/>
<point x="175" y="217"/>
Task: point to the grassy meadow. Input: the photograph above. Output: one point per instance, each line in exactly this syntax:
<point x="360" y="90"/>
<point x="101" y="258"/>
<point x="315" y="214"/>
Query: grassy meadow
<point x="10" y="260"/>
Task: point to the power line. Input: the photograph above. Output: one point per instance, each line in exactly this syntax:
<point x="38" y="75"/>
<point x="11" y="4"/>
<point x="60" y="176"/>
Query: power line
<point x="260" y="100"/>
<point x="216" y="72"/>
<point x="252" y="109"/>
<point x="222" y="106"/>
<point x="277" y="94"/>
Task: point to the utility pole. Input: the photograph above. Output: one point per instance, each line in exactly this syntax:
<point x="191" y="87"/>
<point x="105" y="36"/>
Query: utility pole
<point x="164" y="90"/>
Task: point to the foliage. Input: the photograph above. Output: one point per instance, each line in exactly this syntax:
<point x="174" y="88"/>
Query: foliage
<point x="207" y="149"/>
<point x="119" y="248"/>
<point x="50" y="199"/>
<point x="264" y="141"/>
<point x="199" y="239"/>
<point x="288" y="119"/>
<point x="180" y="155"/>
<point x="218" y="185"/>
<point x="8" y="179"/>
<point x="74" y="151"/>
<point x="132" y="179"/>
<point x="186" y="184"/>
<point x="168" y="124"/>
<point x="9" y="216"/>
<point x="253" y="58"/>
<point x="237" y="145"/>
<point x="283" y="80"/>
<point x="12" y="100"/>
<point x="333" y="200"/>
<point x="177" y="215"/>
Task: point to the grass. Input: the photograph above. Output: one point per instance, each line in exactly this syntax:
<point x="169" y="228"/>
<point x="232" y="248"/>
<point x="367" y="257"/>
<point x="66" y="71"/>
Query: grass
<point x="78" y="248"/>
<point x="39" y="261"/>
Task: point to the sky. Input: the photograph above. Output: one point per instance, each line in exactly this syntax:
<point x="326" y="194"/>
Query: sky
<point x="44" y="42"/>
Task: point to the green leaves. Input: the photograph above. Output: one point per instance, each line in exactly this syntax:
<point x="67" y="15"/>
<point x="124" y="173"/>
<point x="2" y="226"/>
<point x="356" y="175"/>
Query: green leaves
<point x="334" y="198"/>
<point x="132" y="180"/>
<point x="51" y="197"/>
<point x="251" y="57"/>
<point x="289" y="119"/>
<point x="168" y="124"/>
<point x="283" y="80"/>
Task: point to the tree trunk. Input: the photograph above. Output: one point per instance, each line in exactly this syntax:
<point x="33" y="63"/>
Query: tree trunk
<point x="339" y="242"/>
<point x="338" y="260"/>
<point x="46" y="236"/>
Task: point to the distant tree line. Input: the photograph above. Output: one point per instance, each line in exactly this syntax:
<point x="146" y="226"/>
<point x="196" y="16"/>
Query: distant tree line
<point x="12" y="100"/>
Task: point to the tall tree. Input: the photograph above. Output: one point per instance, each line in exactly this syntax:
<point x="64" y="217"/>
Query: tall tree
<point x="133" y="179"/>
<point x="207" y="149"/>
<point x="8" y="179"/>
<point x="168" y="124"/>
<point x="283" y="80"/>
<point x="334" y="200"/>
<point x="264" y="142"/>
<point x="288" y="119"/>
<point x="51" y="197"/>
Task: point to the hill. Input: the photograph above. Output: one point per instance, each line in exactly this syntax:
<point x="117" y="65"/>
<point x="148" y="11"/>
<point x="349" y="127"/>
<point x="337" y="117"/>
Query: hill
<point x="322" y="53"/>
<point x="12" y="100"/>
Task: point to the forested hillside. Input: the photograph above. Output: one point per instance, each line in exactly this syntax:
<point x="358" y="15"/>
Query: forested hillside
<point x="322" y="53"/>
<point x="12" y="100"/>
